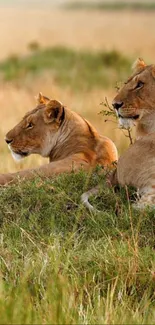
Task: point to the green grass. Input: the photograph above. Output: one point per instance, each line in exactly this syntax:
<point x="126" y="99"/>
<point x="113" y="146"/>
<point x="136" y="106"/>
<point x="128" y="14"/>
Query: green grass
<point x="62" y="265"/>
<point x="79" y="70"/>
<point x="112" y="5"/>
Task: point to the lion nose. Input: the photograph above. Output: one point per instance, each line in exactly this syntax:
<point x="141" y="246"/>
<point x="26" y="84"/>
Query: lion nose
<point x="117" y="105"/>
<point x="8" y="141"/>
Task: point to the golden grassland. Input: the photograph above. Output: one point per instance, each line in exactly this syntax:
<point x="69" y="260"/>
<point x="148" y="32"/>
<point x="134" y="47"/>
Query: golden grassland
<point x="128" y="32"/>
<point x="59" y="263"/>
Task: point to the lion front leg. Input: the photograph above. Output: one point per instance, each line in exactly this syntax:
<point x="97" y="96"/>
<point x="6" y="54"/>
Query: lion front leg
<point x="52" y="169"/>
<point x="11" y="178"/>
<point x="5" y="179"/>
<point x="66" y="165"/>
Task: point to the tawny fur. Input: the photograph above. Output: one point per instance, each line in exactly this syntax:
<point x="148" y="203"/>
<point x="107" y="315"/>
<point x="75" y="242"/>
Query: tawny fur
<point x="54" y="131"/>
<point x="136" y="166"/>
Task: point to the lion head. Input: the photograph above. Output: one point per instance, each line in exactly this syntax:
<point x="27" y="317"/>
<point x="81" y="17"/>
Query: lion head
<point x="136" y="99"/>
<point x="38" y="130"/>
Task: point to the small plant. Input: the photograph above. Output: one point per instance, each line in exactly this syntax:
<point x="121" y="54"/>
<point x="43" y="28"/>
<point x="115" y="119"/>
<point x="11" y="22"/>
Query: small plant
<point x="34" y="46"/>
<point x="13" y="59"/>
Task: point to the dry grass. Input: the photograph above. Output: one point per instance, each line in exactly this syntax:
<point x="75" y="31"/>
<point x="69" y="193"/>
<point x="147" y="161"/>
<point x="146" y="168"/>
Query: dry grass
<point x="127" y="32"/>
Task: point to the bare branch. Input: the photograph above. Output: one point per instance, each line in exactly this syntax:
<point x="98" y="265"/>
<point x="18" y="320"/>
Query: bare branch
<point x="129" y="136"/>
<point x="110" y="121"/>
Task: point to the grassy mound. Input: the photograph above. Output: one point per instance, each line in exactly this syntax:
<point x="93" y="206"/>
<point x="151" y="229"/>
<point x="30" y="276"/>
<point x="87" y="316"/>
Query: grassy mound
<point x="61" y="264"/>
<point x="79" y="70"/>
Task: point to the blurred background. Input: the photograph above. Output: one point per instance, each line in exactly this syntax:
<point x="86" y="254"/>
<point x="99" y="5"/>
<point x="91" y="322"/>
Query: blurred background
<point x="78" y="52"/>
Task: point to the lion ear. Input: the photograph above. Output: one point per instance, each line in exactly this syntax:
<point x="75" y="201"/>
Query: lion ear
<point x="42" y="99"/>
<point x="54" y="111"/>
<point x="138" y="65"/>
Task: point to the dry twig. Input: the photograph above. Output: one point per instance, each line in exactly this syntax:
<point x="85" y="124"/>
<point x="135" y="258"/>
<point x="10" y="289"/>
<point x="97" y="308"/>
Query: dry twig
<point x="108" y="111"/>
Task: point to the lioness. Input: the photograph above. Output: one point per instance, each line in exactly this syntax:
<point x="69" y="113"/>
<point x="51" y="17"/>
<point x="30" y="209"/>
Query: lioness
<point x="135" y="105"/>
<point x="52" y="130"/>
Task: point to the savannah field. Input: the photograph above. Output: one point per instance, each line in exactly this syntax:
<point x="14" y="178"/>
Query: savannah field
<point x="129" y="33"/>
<point x="60" y="264"/>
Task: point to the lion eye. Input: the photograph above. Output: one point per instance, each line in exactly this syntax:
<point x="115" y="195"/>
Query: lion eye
<point x="139" y="85"/>
<point x="29" y="126"/>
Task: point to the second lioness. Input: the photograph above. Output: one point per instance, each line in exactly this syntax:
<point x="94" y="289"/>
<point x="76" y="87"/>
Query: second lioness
<point x="52" y="130"/>
<point x="135" y="104"/>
